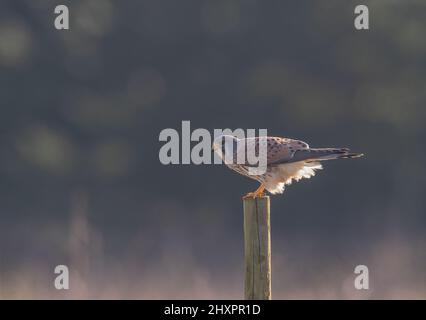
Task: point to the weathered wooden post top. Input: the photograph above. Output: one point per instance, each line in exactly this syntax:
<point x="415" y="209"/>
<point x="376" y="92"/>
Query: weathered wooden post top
<point x="257" y="248"/>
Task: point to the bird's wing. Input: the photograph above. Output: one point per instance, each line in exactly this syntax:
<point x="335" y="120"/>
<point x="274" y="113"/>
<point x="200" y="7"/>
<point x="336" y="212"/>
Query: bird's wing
<point x="282" y="150"/>
<point x="278" y="149"/>
<point x="288" y="150"/>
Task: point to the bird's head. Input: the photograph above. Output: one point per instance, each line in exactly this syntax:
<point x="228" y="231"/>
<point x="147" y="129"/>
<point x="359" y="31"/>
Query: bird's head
<point x="224" y="144"/>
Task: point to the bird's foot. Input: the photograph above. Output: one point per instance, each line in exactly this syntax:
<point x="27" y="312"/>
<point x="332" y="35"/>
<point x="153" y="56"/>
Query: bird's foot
<point x="250" y="195"/>
<point x="254" y="195"/>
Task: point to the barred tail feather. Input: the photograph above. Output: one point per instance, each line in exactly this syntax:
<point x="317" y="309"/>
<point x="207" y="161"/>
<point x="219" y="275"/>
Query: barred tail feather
<point x="321" y="154"/>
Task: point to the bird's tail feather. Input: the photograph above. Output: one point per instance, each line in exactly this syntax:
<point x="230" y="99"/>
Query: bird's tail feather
<point x="321" y="154"/>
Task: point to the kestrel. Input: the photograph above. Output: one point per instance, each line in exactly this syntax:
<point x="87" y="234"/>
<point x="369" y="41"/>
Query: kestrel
<point x="286" y="160"/>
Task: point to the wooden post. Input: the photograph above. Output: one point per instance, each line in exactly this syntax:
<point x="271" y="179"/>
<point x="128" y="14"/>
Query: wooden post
<point x="257" y="249"/>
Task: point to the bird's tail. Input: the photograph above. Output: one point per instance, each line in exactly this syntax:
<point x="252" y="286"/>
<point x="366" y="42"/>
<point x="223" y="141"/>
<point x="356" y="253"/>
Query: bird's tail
<point x="321" y="154"/>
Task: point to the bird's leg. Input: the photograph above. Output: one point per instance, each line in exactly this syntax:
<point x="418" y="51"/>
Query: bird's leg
<point x="256" y="194"/>
<point x="260" y="191"/>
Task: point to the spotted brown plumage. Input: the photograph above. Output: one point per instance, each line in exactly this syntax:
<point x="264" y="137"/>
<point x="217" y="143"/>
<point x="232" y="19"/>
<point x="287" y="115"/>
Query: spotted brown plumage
<point x="286" y="159"/>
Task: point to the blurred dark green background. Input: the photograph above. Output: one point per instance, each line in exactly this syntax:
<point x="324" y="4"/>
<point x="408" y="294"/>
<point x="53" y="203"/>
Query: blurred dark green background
<point x="81" y="111"/>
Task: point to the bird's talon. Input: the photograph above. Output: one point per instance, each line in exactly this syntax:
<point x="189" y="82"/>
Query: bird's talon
<point x="253" y="195"/>
<point x="250" y="195"/>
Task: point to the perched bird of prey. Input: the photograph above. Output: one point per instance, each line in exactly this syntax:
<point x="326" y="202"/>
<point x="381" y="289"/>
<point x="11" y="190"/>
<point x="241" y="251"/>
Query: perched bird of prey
<point x="286" y="160"/>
